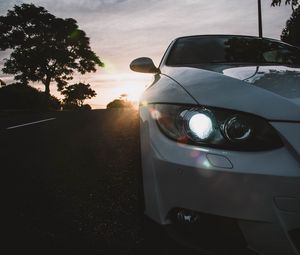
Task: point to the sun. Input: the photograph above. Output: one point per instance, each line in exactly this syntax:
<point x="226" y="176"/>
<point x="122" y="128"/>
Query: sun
<point x="133" y="86"/>
<point x="112" y="85"/>
<point x="133" y="92"/>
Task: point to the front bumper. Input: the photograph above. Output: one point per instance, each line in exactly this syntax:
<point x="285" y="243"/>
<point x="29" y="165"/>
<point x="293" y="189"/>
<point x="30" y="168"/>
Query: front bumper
<point x="261" y="190"/>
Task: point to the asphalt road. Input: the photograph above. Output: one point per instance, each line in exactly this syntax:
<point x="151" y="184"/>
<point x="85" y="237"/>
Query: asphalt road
<point x="71" y="182"/>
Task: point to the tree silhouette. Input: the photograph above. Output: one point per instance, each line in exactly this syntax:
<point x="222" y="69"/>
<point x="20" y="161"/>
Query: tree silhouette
<point x="123" y="96"/>
<point x="76" y="94"/>
<point x="2" y="83"/>
<point x="20" y="96"/>
<point x="291" y="33"/>
<point x="44" y="48"/>
<point x="119" y="103"/>
<point x="293" y="3"/>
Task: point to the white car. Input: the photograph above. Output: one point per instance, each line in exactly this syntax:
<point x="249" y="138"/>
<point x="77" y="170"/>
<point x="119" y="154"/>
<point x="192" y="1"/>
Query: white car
<point x="220" y="143"/>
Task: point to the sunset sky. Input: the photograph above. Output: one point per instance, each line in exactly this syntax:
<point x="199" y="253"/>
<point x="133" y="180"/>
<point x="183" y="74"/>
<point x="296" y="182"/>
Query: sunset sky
<point x="121" y="30"/>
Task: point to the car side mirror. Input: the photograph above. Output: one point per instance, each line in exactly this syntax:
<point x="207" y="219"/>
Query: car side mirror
<point x="143" y="65"/>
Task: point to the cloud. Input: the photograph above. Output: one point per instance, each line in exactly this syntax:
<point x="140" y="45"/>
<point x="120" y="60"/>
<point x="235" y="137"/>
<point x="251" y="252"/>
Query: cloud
<point x="121" y="30"/>
<point x="68" y="6"/>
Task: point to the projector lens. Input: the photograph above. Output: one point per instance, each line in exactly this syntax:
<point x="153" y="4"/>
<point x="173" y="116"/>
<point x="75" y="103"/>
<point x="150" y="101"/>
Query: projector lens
<point x="237" y="129"/>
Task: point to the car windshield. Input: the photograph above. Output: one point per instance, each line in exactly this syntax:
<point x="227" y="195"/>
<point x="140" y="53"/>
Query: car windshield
<point x="191" y="51"/>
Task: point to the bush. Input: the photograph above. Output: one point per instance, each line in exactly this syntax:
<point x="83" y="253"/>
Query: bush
<point x="75" y="107"/>
<point x="18" y="96"/>
<point x="119" y="103"/>
<point x="54" y="103"/>
<point x="70" y="106"/>
<point x="87" y="107"/>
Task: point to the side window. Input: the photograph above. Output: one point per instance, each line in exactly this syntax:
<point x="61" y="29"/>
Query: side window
<point x="282" y="56"/>
<point x="273" y="56"/>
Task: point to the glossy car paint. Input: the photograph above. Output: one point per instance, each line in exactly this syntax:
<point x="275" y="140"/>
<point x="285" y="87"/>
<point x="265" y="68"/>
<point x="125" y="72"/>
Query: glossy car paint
<point x="261" y="190"/>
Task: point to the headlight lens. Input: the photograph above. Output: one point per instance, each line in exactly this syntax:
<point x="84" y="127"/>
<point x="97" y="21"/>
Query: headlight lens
<point x="236" y="129"/>
<point x="199" y="125"/>
<point x="215" y="127"/>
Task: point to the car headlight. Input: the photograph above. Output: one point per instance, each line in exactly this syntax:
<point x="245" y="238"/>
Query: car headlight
<point x="214" y="127"/>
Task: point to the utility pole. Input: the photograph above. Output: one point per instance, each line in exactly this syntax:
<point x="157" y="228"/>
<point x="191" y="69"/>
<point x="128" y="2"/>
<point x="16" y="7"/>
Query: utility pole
<point x="260" y="32"/>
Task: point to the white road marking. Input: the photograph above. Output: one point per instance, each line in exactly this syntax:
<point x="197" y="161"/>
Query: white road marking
<point x="31" y="123"/>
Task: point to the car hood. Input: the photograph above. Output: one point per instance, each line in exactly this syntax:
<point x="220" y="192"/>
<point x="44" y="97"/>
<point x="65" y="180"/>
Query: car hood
<point x="272" y="92"/>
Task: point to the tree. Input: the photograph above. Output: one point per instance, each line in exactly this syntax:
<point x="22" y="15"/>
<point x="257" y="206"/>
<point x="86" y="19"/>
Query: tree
<point x="119" y="103"/>
<point x="76" y="94"/>
<point x="44" y="48"/>
<point x="293" y="3"/>
<point x="2" y="83"/>
<point x="291" y="33"/>
<point x="124" y="97"/>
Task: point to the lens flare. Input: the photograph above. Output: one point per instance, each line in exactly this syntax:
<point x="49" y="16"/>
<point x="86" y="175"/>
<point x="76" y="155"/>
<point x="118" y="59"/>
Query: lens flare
<point x="155" y="114"/>
<point x="201" y="125"/>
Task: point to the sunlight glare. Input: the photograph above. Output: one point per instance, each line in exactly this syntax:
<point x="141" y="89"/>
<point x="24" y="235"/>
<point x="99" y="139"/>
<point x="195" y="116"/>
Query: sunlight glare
<point x="131" y="84"/>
